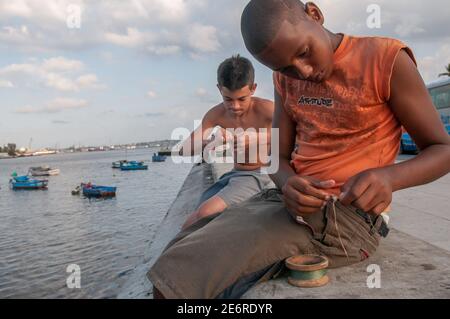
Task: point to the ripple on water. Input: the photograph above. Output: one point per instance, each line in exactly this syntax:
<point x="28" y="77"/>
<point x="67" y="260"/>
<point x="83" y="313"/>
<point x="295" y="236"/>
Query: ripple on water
<point x="42" y="232"/>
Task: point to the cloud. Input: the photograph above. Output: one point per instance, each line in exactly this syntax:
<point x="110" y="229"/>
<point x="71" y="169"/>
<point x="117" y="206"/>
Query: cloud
<point x="432" y="65"/>
<point x="157" y="27"/>
<point x="60" y="122"/>
<point x="55" y="106"/>
<point x="6" y="84"/>
<point x="89" y="81"/>
<point x="154" y="114"/>
<point x="409" y="20"/>
<point x="163" y="50"/>
<point x="133" y="38"/>
<point x="194" y="27"/>
<point x="204" y="96"/>
<point x="58" y="73"/>
<point x="17" y="8"/>
<point x="201" y="92"/>
<point x="203" y="38"/>
<point x="62" y="64"/>
<point x="196" y="38"/>
<point x="157" y="11"/>
<point x="59" y="82"/>
<point x="151" y="94"/>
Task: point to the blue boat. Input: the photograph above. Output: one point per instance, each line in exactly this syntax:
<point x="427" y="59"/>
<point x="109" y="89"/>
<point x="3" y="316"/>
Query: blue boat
<point x="95" y="191"/>
<point x="156" y="158"/>
<point x="118" y="164"/>
<point x="133" y="166"/>
<point x="25" y="183"/>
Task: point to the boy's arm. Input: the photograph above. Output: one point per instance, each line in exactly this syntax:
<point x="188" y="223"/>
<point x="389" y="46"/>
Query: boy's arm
<point x="302" y="195"/>
<point x="282" y="122"/>
<point x="410" y="101"/>
<point x="198" y="139"/>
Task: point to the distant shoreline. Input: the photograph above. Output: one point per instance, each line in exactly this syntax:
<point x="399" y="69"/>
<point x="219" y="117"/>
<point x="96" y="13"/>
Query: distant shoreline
<point x="84" y="152"/>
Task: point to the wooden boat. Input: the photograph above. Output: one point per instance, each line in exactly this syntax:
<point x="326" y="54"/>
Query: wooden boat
<point x="133" y="166"/>
<point x="156" y="158"/>
<point x="96" y="191"/>
<point x="117" y="164"/>
<point x="25" y="183"/>
<point x="165" y="152"/>
<point x="43" y="171"/>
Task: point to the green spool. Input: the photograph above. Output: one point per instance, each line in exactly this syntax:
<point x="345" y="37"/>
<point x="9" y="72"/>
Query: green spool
<point x="307" y="271"/>
<point x="307" y="275"/>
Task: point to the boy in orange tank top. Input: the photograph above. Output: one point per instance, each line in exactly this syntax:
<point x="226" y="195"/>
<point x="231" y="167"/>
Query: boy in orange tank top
<point x="340" y="103"/>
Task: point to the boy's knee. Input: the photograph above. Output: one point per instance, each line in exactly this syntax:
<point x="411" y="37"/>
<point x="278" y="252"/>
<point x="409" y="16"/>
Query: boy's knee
<point x="203" y="212"/>
<point x="212" y="206"/>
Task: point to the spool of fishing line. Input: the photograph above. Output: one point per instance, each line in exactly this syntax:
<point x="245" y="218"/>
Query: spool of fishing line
<point x="307" y="271"/>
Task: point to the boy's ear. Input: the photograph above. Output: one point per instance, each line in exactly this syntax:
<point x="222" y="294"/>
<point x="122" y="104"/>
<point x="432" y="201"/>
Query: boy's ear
<point x="220" y="88"/>
<point x="253" y="88"/>
<point x="313" y="11"/>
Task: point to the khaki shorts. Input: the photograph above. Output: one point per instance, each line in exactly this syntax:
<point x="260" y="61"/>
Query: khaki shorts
<point x="224" y="255"/>
<point x="236" y="186"/>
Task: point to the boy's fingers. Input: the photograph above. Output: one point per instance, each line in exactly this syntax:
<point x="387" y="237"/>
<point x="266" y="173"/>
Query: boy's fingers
<point x="312" y="191"/>
<point x="311" y="201"/>
<point x="380" y="208"/>
<point x="298" y="210"/>
<point x="305" y="187"/>
<point x="365" y="199"/>
<point x="324" y="184"/>
<point x="352" y="191"/>
<point x="304" y="200"/>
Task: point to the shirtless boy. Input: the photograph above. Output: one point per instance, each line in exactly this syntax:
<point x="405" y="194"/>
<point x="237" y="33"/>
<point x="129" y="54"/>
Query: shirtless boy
<point x="240" y="111"/>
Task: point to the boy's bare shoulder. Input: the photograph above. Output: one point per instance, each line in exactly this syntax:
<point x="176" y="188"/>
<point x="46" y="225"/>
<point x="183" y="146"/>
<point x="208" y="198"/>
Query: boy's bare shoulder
<point x="264" y="106"/>
<point x="215" y="113"/>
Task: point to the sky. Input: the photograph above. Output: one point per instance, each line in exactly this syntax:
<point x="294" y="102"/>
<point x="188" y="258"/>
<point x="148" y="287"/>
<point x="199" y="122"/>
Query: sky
<point x="95" y="72"/>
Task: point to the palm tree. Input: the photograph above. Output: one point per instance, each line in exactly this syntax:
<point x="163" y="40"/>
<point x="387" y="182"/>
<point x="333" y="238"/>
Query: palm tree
<point x="446" y="73"/>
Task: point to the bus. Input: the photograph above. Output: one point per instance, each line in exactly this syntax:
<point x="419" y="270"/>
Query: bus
<point x="440" y="94"/>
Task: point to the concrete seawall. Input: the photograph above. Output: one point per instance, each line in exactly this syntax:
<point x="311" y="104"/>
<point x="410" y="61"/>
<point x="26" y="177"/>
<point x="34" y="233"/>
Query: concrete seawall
<point x="414" y="259"/>
<point x="199" y="178"/>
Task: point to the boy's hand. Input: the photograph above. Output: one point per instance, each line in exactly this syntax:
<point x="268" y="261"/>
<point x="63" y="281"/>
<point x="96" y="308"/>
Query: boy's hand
<point x="305" y="195"/>
<point x="370" y="191"/>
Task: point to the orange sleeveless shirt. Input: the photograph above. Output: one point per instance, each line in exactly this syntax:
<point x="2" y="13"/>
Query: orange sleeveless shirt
<point x="344" y="125"/>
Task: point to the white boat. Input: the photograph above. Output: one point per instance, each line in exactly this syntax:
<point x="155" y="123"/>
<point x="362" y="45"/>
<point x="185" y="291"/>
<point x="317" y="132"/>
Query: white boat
<point x="44" y="152"/>
<point x="43" y="171"/>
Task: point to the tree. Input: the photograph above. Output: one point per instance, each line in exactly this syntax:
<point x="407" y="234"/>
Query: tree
<point x="446" y="73"/>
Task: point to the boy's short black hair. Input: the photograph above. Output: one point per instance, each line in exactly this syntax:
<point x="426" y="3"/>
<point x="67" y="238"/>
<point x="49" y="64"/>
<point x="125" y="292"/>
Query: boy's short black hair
<point x="261" y="20"/>
<point x="235" y="73"/>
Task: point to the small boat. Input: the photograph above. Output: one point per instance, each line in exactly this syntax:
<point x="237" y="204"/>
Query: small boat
<point x="43" y="171"/>
<point x="76" y="191"/>
<point x="165" y="152"/>
<point x="133" y="166"/>
<point x="25" y="183"/>
<point x="117" y="164"/>
<point x="95" y="191"/>
<point x="156" y="158"/>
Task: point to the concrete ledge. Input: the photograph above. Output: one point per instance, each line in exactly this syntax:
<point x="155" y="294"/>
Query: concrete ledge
<point x="410" y="266"/>
<point x="199" y="178"/>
